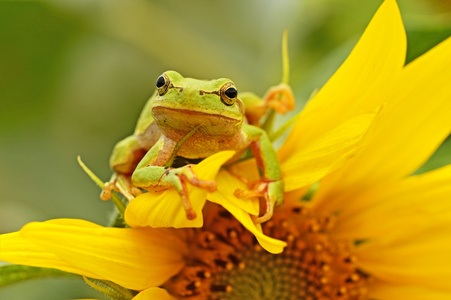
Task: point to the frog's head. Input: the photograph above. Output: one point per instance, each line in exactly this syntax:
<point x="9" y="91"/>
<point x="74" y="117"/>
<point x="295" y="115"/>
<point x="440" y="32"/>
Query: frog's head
<point x="184" y="103"/>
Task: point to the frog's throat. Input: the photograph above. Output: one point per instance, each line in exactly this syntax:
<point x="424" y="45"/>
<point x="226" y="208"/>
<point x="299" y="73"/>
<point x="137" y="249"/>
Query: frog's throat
<point x="192" y="112"/>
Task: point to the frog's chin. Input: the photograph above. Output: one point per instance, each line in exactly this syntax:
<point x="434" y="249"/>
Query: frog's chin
<point x="183" y="120"/>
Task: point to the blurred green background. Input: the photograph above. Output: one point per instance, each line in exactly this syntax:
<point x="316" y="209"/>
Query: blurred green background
<point x="75" y="74"/>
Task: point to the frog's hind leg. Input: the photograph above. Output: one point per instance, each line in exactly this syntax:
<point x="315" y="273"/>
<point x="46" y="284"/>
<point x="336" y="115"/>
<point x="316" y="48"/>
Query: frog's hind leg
<point x="280" y="98"/>
<point x="270" y="186"/>
<point x="126" y="155"/>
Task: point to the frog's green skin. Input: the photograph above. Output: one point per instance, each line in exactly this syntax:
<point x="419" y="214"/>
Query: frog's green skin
<point x="179" y="105"/>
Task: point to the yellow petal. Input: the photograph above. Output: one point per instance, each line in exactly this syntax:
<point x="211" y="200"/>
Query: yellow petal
<point x="154" y="293"/>
<point x="408" y="206"/>
<point x="387" y="291"/>
<point x="415" y="122"/>
<point x="269" y="244"/>
<point x="16" y="249"/>
<point x="378" y="56"/>
<point x="227" y="185"/>
<point x="423" y="259"/>
<point x="165" y="209"/>
<point x="325" y="154"/>
<point x="247" y="169"/>
<point x="136" y="258"/>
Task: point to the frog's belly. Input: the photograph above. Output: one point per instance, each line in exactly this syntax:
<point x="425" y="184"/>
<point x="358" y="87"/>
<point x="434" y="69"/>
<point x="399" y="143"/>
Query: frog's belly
<point x="199" y="146"/>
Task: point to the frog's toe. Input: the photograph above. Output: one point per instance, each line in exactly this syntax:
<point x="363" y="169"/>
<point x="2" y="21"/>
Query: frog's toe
<point x="108" y="187"/>
<point x="121" y="184"/>
<point x="190" y="214"/>
<point x="280" y="98"/>
<point x="246" y="194"/>
<point x="269" y="190"/>
<point x="106" y="193"/>
<point x="264" y="218"/>
<point x="188" y="175"/>
<point x="179" y="183"/>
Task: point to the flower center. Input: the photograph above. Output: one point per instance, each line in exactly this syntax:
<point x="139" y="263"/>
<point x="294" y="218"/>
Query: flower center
<point x="226" y="262"/>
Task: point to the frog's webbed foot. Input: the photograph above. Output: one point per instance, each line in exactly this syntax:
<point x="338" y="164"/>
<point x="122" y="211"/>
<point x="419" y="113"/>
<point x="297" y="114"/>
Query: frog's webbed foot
<point x="178" y="178"/>
<point x="270" y="190"/>
<point x="280" y="98"/>
<point x="121" y="184"/>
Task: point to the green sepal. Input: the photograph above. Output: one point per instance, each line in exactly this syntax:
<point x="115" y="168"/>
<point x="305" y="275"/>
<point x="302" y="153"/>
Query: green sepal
<point x="120" y="205"/>
<point x="116" y="220"/>
<point x="279" y="132"/>
<point x="110" y="289"/>
<point x="10" y="274"/>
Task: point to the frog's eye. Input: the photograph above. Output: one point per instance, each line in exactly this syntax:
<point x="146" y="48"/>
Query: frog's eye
<point x="228" y="94"/>
<point x="162" y="84"/>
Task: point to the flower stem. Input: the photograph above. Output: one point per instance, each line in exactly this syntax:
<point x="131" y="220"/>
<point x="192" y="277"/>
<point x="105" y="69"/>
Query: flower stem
<point x="116" y="200"/>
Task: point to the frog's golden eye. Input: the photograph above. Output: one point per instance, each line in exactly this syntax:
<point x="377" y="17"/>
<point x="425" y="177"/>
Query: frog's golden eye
<point x="162" y="84"/>
<point x="228" y="94"/>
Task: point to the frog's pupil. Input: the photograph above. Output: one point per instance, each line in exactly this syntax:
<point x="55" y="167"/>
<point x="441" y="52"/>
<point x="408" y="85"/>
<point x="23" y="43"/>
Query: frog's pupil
<point x="160" y="82"/>
<point x="231" y="92"/>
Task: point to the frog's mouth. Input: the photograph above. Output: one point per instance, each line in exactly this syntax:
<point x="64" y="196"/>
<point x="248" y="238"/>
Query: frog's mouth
<point x="211" y="124"/>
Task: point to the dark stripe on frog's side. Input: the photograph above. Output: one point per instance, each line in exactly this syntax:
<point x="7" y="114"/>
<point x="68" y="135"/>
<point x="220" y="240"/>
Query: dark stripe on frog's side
<point x="180" y="161"/>
<point x="205" y="92"/>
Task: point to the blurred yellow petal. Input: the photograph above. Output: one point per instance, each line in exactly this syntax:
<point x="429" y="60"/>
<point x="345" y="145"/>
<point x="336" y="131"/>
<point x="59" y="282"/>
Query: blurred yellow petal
<point x="269" y="244"/>
<point x="414" y="123"/>
<point x="386" y="291"/>
<point x="375" y="60"/>
<point x="136" y="258"/>
<point x="154" y="293"/>
<point x="165" y="209"/>
<point x="325" y="154"/>
<point x="421" y="259"/>
<point x="410" y="205"/>
<point x="74" y="222"/>
<point x="227" y="184"/>
<point x="246" y="168"/>
<point x="16" y="249"/>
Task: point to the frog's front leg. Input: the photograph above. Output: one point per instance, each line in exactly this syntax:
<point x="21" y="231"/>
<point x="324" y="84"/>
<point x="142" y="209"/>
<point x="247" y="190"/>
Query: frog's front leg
<point x="124" y="158"/>
<point x="271" y="185"/>
<point x="151" y="175"/>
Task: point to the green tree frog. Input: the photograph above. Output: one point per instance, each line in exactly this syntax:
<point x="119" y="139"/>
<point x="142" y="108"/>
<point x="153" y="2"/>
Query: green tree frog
<point x="193" y="119"/>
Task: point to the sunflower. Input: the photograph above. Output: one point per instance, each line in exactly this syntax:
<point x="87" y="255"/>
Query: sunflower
<point x="355" y="222"/>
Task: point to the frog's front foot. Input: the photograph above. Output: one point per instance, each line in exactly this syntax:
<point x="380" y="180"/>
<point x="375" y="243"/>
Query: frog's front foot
<point x="178" y="179"/>
<point x="280" y="98"/>
<point x="121" y="184"/>
<point x="270" y="190"/>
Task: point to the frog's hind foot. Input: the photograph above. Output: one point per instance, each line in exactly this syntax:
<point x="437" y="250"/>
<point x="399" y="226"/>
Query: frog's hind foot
<point x="121" y="184"/>
<point x="280" y="98"/>
<point x="106" y="191"/>
<point x="270" y="190"/>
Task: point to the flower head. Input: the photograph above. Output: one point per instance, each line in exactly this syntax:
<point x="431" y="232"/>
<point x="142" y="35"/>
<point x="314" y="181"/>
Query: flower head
<point x="370" y="230"/>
